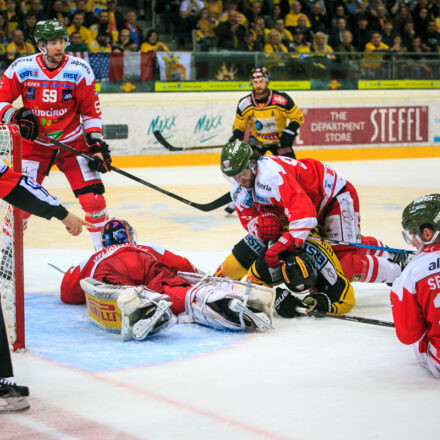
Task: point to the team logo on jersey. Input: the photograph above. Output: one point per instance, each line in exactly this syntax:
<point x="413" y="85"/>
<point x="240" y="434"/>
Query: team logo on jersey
<point x="263" y="186"/>
<point x="55" y="135"/>
<point x="27" y="74"/>
<point x="318" y="258"/>
<point x="246" y="102"/>
<point x="278" y="99"/>
<point x="66" y="95"/>
<point x="266" y="126"/>
<point x="30" y="93"/>
<point x="84" y="65"/>
<point x="71" y="75"/>
<point x="49" y="113"/>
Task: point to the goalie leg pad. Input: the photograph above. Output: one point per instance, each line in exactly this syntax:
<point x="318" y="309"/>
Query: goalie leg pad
<point x="144" y="313"/>
<point x="136" y="312"/>
<point x="218" y="304"/>
<point x="260" y="297"/>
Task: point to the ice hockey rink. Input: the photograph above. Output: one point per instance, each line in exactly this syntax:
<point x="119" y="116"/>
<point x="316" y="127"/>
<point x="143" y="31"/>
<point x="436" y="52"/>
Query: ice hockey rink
<point x="307" y="379"/>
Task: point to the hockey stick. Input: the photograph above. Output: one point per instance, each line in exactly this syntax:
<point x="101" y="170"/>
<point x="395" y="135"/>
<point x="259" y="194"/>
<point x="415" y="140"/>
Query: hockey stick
<point x="354" y="318"/>
<point x="360" y="245"/>
<point x="158" y="135"/>
<point x="56" y="268"/>
<point x="206" y="207"/>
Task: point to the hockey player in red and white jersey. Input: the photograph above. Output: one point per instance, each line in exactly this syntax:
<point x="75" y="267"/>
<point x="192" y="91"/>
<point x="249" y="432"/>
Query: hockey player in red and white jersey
<point x="302" y="194"/>
<point x="415" y="295"/>
<point x="58" y="91"/>
<point x="159" y="289"/>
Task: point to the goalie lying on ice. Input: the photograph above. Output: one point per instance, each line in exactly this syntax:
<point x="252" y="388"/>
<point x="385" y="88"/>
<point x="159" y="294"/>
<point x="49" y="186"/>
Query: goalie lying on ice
<point x="137" y="289"/>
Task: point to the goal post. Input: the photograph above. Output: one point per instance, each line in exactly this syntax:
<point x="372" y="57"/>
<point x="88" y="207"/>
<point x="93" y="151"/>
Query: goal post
<point x="11" y="245"/>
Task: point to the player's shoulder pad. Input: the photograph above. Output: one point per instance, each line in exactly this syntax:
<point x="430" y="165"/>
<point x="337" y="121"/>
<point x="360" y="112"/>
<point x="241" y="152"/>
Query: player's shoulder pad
<point x="75" y="69"/>
<point x="24" y="68"/>
<point x="282" y="99"/>
<point x="268" y="180"/>
<point x="244" y="103"/>
<point x="417" y="270"/>
<point x="240" y="196"/>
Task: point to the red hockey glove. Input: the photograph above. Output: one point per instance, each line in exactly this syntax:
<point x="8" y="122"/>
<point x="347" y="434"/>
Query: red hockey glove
<point x="26" y="121"/>
<point x="100" y="151"/>
<point x="285" y="243"/>
<point x="266" y="227"/>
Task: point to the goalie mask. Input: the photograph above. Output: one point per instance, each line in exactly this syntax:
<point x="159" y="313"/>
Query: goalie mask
<point x="117" y="232"/>
<point x="299" y="273"/>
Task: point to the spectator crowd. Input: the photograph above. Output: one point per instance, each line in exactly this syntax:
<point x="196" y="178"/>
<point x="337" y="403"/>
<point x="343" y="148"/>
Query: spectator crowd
<point x="298" y="27"/>
<point x="93" y="26"/>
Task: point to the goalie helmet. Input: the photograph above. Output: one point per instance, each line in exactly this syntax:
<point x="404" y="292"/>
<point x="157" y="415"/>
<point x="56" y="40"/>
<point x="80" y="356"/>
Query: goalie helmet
<point x="50" y="30"/>
<point x="260" y="72"/>
<point x="117" y="232"/>
<point x="235" y="157"/>
<point x="421" y="212"/>
<point x="299" y="273"/>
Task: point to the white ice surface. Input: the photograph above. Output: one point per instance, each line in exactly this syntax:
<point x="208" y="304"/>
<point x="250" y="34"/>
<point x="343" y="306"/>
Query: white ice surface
<point x="305" y="380"/>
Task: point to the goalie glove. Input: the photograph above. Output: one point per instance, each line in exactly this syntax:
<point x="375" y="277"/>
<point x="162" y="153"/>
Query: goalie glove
<point x="25" y="119"/>
<point x="285" y="243"/>
<point x="266" y="227"/>
<point x="100" y="151"/>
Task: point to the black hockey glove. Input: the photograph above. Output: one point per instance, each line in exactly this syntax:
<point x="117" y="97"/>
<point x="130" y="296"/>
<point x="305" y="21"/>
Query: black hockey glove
<point x="286" y="143"/>
<point x="286" y="303"/>
<point x="318" y="302"/>
<point x="26" y="121"/>
<point x="236" y="134"/>
<point x="100" y="151"/>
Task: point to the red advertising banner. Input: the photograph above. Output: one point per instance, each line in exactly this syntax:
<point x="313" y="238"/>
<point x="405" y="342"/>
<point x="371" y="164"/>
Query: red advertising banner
<point x="368" y="125"/>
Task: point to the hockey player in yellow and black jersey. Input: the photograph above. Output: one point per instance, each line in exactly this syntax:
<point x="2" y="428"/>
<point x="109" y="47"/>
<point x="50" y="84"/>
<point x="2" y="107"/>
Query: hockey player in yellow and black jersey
<point x="272" y="116"/>
<point x="314" y="271"/>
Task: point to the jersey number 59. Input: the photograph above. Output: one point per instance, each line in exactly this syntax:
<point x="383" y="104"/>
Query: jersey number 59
<point x="49" y="95"/>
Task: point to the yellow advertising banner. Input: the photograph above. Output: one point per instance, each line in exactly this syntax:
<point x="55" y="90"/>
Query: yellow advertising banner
<point x="399" y="84"/>
<point x="220" y="86"/>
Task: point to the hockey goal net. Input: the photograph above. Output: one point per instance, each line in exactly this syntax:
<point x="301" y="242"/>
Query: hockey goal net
<point x="11" y="245"/>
